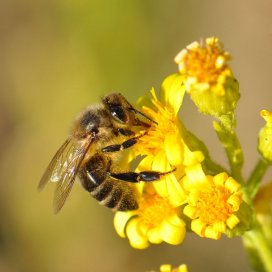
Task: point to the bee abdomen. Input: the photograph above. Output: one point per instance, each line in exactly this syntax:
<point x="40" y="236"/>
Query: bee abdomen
<point x="114" y="194"/>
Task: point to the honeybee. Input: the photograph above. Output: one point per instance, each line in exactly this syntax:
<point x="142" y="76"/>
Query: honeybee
<point x="89" y="153"/>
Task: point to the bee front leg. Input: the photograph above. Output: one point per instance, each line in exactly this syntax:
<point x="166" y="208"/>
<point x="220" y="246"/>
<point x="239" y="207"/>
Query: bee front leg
<point x="146" y="176"/>
<point x="126" y="144"/>
<point x="125" y="132"/>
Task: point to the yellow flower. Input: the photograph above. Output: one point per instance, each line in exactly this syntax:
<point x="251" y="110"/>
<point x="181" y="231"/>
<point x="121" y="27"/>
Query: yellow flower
<point x="205" y="65"/>
<point x="208" y="77"/>
<point x="265" y="137"/>
<point x="155" y="221"/>
<point x="212" y="203"/>
<point x="169" y="268"/>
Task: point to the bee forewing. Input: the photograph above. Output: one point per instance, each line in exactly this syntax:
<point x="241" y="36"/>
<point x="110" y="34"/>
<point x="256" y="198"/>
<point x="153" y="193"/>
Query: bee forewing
<point x="61" y="194"/>
<point x="51" y="171"/>
<point x="66" y="172"/>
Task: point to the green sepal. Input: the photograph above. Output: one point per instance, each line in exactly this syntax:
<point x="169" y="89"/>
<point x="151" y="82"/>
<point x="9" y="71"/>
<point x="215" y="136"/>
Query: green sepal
<point x="246" y="217"/>
<point x="210" y="103"/>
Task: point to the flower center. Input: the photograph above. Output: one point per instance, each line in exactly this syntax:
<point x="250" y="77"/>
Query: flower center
<point x="153" y="142"/>
<point x="212" y="205"/>
<point x="205" y="63"/>
<point x="153" y="209"/>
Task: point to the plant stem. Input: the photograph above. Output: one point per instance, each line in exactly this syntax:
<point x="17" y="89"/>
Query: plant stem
<point x="255" y="177"/>
<point x="262" y="249"/>
<point x="225" y="130"/>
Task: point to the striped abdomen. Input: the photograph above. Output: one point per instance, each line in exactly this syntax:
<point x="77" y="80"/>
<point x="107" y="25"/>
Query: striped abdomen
<point x="112" y="193"/>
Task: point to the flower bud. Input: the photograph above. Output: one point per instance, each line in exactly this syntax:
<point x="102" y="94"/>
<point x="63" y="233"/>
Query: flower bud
<point x="208" y="77"/>
<point x="265" y="137"/>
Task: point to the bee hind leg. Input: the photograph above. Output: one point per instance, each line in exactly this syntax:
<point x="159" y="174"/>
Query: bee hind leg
<point x="146" y="176"/>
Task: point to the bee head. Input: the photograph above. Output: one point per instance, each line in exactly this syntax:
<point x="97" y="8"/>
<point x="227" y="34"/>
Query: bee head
<point x="119" y="108"/>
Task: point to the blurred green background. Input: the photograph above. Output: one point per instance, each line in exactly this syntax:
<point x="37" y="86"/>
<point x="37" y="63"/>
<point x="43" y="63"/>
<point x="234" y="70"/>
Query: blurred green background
<point x="56" y="57"/>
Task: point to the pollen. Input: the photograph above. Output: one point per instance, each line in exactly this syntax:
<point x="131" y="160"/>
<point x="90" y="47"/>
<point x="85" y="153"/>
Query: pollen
<point x="205" y="65"/>
<point x="213" y="204"/>
<point x="154" y="140"/>
<point x="153" y="209"/>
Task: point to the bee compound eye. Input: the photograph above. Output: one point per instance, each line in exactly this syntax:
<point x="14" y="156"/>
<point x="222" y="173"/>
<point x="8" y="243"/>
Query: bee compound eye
<point x="118" y="113"/>
<point x="118" y="107"/>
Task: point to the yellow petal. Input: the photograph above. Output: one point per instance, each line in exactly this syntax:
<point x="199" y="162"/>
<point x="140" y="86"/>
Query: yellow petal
<point x="154" y="236"/>
<point x="194" y="176"/>
<point x="182" y="268"/>
<point x="174" y="149"/>
<point x="120" y="221"/>
<point x="175" y="192"/>
<point x="198" y="227"/>
<point x="220" y="179"/>
<point x="235" y="201"/>
<point x="166" y="268"/>
<point x="176" y="220"/>
<point x="172" y="234"/>
<point x="172" y="92"/>
<point x="192" y="158"/>
<point x="219" y="226"/>
<point x="232" y="221"/>
<point x="145" y="163"/>
<point x="136" y="238"/>
<point x="190" y="211"/>
<point x="232" y="185"/>
<point x="160" y="164"/>
<point x="211" y="233"/>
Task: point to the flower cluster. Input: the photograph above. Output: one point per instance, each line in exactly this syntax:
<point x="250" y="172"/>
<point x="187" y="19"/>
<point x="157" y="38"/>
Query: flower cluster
<point x="186" y="197"/>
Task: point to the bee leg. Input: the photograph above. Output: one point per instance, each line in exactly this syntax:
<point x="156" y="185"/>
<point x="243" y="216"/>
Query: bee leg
<point x="125" y="132"/>
<point x="126" y="144"/>
<point x="146" y="176"/>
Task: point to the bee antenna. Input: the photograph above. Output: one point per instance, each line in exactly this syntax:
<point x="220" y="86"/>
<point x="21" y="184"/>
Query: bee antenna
<point x="142" y="114"/>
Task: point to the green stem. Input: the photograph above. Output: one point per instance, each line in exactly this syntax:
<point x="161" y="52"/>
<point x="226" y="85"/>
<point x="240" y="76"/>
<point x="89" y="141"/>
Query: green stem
<point x="225" y="130"/>
<point x="255" y="177"/>
<point x="259" y="248"/>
